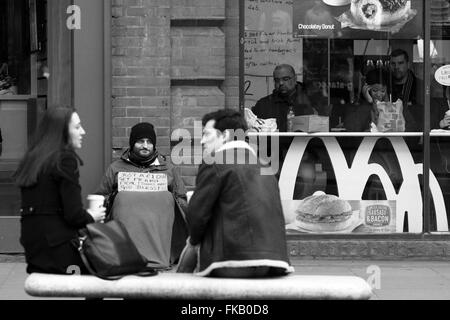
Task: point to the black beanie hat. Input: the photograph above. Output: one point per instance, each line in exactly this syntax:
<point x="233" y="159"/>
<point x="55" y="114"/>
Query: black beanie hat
<point x="140" y="131"/>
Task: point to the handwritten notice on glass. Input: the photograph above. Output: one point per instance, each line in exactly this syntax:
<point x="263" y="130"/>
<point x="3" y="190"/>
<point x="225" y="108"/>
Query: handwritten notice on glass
<point x="268" y="42"/>
<point x="142" y="182"/>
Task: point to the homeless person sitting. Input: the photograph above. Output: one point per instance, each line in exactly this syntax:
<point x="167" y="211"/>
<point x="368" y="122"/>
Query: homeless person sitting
<point x="154" y="220"/>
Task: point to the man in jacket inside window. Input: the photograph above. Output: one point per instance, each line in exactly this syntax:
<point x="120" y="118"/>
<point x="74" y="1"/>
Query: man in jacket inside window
<point x="235" y="218"/>
<point x="289" y="93"/>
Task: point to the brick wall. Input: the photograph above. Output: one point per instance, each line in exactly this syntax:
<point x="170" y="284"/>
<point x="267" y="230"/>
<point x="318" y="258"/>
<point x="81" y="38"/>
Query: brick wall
<point x="173" y="61"/>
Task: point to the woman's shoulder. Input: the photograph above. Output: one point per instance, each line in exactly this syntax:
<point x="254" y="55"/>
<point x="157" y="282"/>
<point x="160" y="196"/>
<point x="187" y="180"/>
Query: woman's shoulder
<point x="69" y="156"/>
<point x="69" y="162"/>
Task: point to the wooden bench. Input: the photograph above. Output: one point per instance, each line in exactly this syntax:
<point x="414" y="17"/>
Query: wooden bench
<point x="189" y="286"/>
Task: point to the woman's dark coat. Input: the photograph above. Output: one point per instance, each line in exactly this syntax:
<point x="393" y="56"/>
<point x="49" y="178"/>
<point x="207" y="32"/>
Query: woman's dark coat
<point x="52" y="212"/>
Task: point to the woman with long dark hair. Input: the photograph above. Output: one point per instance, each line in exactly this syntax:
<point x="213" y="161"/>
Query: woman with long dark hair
<point x="52" y="209"/>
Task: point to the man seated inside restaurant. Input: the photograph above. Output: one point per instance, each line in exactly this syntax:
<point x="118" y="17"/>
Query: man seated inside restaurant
<point x="440" y="145"/>
<point x="360" y="117"/>
<point x="146" y="193"/>
<point x="289" y="94"/>
<point x="363" y="117"/>
<point x="403" y="85"/>
<point x="440" y="110"/>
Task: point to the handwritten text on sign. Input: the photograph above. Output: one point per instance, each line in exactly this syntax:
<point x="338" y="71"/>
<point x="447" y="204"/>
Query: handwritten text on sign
<point x="142" y="182"/>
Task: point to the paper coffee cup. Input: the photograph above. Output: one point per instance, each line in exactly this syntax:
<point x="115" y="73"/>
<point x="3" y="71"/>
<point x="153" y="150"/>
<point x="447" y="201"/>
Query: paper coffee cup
<point x="95" y="201"/>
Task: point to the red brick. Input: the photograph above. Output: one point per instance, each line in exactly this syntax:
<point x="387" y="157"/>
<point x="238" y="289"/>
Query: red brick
<point x="125" y="121"/>
<point x="137" y="11"/>
<point x="127" y="21"/>
<point x="119" y="92"/>
<point x="140" y="81"/>
<point x="116" y="12"/>
<point x="119" y="132"/>
<point x="156" y="101"/>
<point x="118" y="112"/>
<point x="120" y="142"/>
<point x="126" y="102"/>
<point x="157" y="121"/>
<point x="147" y="112"/>
<point x="139" y="92"/>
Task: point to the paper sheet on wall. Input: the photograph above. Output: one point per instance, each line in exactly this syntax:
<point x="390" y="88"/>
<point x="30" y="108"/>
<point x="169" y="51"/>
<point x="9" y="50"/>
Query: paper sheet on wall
<point x="142" y="182"/>
<point x="269" y="41"/>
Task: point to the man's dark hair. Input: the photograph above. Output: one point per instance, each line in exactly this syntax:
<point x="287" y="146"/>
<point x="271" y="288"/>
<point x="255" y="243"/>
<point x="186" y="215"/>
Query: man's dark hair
<point x="400" y="52"/>
<point x="226" y="119"/>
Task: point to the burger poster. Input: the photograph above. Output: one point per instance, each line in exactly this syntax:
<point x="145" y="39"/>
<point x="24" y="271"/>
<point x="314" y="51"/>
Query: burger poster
<point x="324" y="213"/>
<point x="358" y="19"/>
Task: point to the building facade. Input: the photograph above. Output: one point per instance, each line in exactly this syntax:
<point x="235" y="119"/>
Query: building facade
<point x="120" y="62"/>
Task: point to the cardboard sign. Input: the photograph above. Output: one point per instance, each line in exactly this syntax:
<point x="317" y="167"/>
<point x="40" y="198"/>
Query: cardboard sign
<point x="142" y="181"/>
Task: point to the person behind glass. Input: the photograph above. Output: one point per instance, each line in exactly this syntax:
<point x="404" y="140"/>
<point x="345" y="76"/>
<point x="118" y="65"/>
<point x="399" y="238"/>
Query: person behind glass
<point x="360" y="117"/>
<point x="288" y="93"/>
<point x="440" y="110"/>
<point x="52" y="210"/>
<point x="235" y="218"/>
<point x="404" y="85"/>
<point x="155" y="220"/>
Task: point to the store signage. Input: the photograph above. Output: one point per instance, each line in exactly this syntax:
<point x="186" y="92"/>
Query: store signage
<point x="367" y="216"/>
<point x="357" y="19"/>
<point x="442" y="75"/>
<point x="352" y="179"/>
<point x="142" y="181"/>
<point x="378" y="216"/>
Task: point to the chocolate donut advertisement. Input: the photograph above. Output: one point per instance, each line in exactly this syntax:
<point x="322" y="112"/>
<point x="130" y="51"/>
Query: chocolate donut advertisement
<point x="352" y="19"/>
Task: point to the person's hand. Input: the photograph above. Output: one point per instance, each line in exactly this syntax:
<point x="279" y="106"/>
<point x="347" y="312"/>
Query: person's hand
<point x="366" y="93"/>
<point x="445" y="123"/>
<point x="98" y="215"/>
<point x="188" y="258"/>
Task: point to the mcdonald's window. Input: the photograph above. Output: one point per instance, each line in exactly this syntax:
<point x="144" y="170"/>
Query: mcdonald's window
<point x="439" y="66"/>
<point x="352" y="73"/>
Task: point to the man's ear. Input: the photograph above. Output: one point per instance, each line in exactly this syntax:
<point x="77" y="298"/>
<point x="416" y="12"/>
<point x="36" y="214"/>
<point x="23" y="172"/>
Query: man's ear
<point x="226" y="135"/>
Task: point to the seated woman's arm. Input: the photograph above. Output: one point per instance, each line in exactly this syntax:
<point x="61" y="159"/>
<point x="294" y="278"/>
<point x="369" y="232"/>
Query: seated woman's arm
<point x="70" y="193"/>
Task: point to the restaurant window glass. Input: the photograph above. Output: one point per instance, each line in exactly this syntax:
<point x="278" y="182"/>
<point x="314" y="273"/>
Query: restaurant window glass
<point x="352" y="76"/>
<point x="439" y="66"/>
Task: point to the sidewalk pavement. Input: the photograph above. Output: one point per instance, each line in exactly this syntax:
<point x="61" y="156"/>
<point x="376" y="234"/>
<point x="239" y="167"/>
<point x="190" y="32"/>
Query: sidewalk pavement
<point x="391" y="280"/>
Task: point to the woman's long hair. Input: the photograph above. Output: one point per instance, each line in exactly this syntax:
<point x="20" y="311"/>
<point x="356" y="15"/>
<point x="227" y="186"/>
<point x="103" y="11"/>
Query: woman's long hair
<point x="49" y="141"/>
